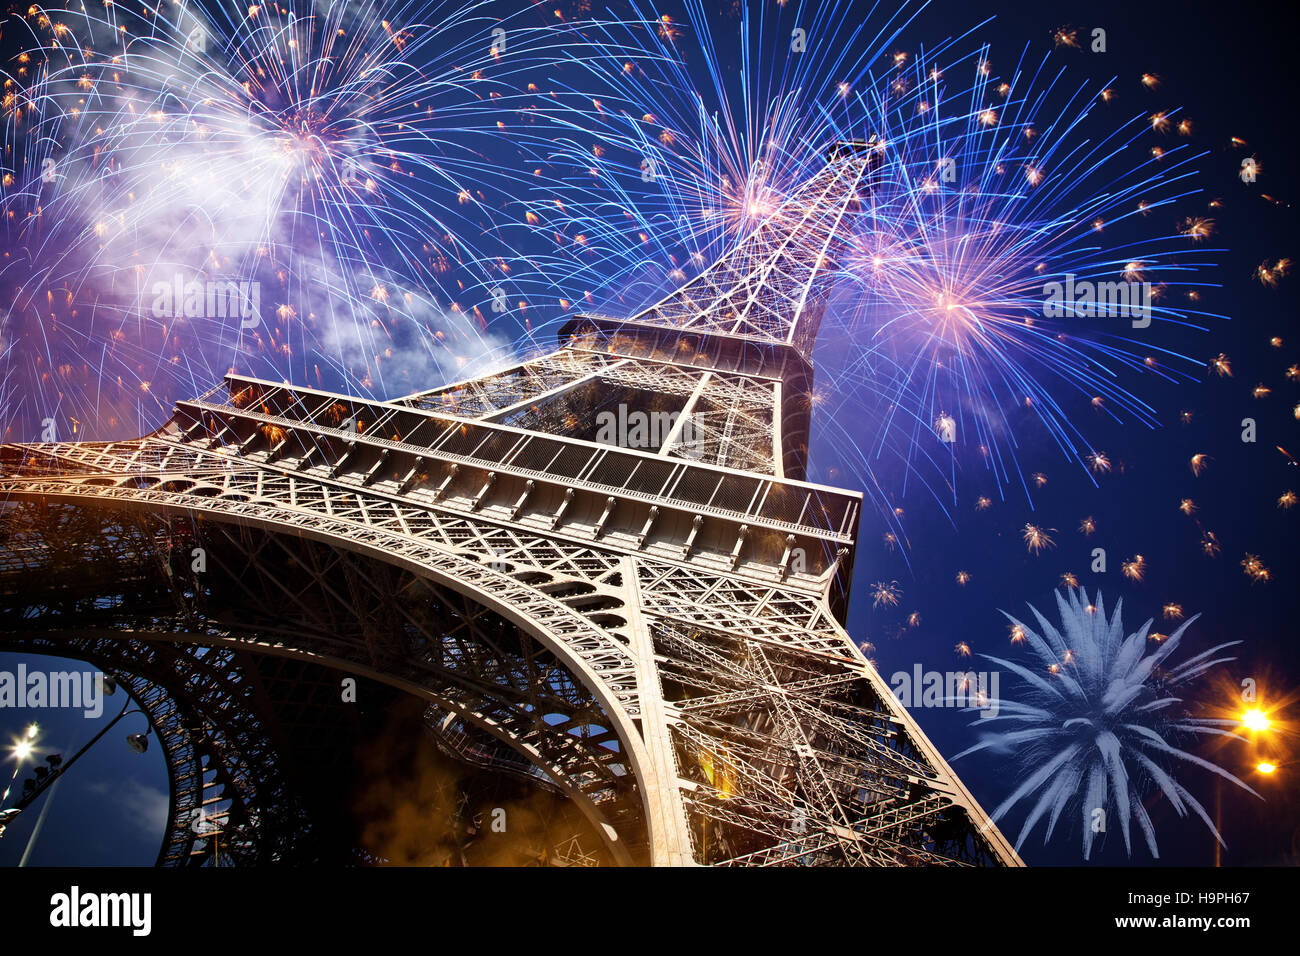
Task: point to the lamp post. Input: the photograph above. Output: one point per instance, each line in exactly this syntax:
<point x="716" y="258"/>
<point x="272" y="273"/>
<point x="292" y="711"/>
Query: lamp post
<point x="44" y="781"/>
<point x="1256" y="722"/>
<point x="21" y="750"/>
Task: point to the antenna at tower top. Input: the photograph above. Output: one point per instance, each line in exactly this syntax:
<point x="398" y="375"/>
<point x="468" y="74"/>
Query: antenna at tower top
<point x="853" y="147"/>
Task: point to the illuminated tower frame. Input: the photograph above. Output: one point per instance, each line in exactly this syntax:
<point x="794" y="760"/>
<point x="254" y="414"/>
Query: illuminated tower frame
<point x="655" y="632"/>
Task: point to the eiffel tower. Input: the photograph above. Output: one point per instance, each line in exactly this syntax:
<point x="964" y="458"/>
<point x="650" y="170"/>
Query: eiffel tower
<point x="649" y="625"/>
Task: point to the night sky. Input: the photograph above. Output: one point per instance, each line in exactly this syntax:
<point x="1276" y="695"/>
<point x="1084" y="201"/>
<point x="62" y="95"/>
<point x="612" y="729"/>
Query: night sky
<point x="1231" y="69"/>
<point x="1229" y="73"/>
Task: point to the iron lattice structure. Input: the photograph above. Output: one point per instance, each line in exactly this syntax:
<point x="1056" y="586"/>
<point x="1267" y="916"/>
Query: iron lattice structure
<point x="653" y="632"/>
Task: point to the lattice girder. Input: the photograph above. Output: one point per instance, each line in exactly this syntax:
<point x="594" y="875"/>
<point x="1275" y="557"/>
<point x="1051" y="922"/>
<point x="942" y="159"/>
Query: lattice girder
<point x="676" y="611"/>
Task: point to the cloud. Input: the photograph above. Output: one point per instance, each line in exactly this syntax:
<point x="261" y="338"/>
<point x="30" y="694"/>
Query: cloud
<point x="142" y="806"/>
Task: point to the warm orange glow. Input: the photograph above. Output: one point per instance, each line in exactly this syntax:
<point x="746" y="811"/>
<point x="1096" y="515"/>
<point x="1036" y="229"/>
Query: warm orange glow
<point x="1256" y="720"/>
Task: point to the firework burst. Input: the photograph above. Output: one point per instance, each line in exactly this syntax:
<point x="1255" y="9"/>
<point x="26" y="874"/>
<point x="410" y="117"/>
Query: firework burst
<point x="1103" y="731"/>
<point x="295" y="190"/>
<point x="1036" y="539"/>
<point x="979" y="212"/>
<point x="991" y="185"/>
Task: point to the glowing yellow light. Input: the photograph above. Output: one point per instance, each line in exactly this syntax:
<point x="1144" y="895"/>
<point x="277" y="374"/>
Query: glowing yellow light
<point x="1266" y="767"/>
<point x="1256" y="720"/>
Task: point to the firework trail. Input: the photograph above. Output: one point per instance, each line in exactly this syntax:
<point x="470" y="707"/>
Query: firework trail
<point x="297" y="190"/>
<point x="997" y="196"/>
<point x="990" y="189"/>
<point x="659" y="174"/>
<point x="1100" y="721"/>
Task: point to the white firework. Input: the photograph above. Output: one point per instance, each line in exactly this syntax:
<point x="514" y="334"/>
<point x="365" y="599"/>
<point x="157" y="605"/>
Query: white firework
<point x="1098" y="726"/>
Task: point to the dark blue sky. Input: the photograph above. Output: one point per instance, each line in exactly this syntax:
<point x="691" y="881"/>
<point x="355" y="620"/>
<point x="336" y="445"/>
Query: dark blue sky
<point x="1230" y="71"/>
<point x="111" y="807"/>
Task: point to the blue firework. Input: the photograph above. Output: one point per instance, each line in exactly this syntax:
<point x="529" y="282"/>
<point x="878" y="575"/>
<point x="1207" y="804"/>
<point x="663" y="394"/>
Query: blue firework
<point x="1101" y="721"/>
<point x="341" y="157"/>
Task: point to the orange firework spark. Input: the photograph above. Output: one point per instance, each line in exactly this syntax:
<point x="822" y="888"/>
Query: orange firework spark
<point x="1088" y="525"/>
<point x="1254" y="568"/>
<point x="1066" y="36"/>
<point x="1198" y="463"/>
<point x="1069" y="580"/>
<point x="1135" y="568"/>
<point x="963" y="578"/>
<point x="1172" y="611"/>
<point x="1036" y="539"/>
<point x="1270" y="274"/>
<point x="886" y="594"/>
<point x="1017" y="634"/>
<point x="1187" y="506"/>
<point x="1287" y="500"/>
<point x="963" y="649"/>
<point x="273" y="433"/>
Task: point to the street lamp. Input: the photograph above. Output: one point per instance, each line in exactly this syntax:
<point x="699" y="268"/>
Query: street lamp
<point x="21" y="751"/>
<point x="45" y="777"/>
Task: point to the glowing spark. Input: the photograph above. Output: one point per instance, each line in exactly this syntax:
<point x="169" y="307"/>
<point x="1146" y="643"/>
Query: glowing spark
<point x="1036" y="539"/>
